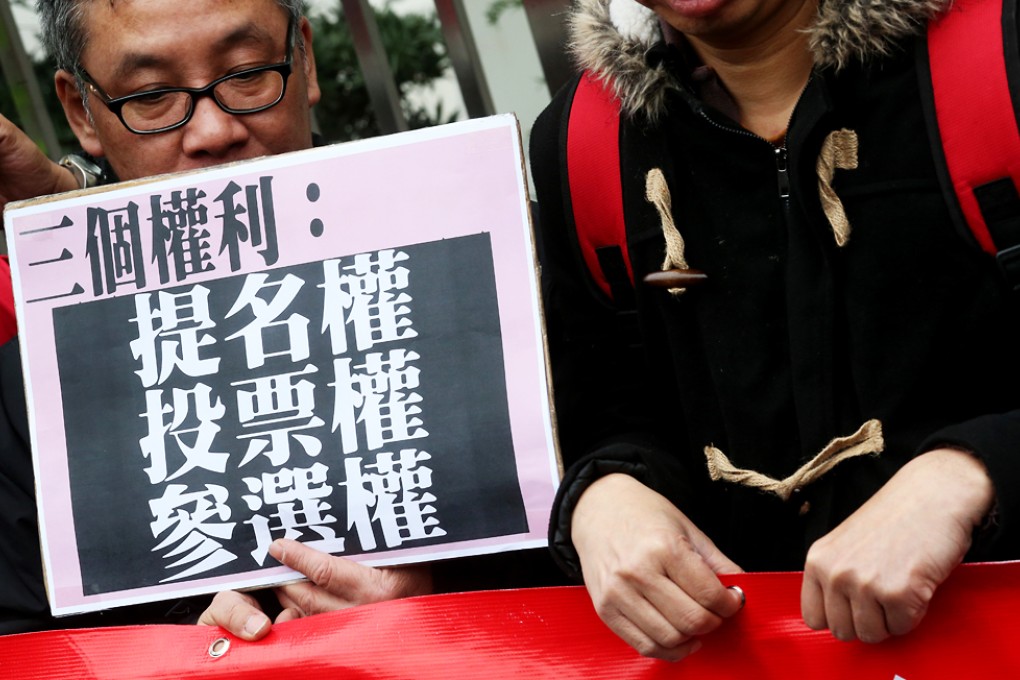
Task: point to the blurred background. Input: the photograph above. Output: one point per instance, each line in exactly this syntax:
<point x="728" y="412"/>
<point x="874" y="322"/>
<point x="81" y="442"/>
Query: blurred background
<point x="384" y="65"/>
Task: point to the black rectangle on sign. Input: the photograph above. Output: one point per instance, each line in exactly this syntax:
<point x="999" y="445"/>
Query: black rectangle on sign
<point x="357" y="404"/>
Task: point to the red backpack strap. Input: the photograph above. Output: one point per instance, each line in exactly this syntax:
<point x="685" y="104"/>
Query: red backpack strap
<point x="8" y="321"/>
<point x="595" y="187"/>
<point x="974" y="58"/>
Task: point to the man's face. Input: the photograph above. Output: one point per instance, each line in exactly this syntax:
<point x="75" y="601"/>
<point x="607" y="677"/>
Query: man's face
<point x="137" y="45"/>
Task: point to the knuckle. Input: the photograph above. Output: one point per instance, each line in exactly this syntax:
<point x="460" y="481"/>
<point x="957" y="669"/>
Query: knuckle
<point x="698" y="623"/>
<point x="889" y="596"/>
<point x="845" y="579"/>
<point x="620" y="583"/>
<point x="872" y="637"/>
<point x="907" y="624"/>
<point x="628" y="575"/>
<point x="641" y="570"/>
<point x="221" y="602"/>
<point x="605" y="605"/>
<point x="814" y="622"/>
<point x="657" y="547"/>
<point x="671" y="638"/>
<point x="240" y="606"/>
<point x="306" y="599"/>
<point x="904" y="595"/>
<point x="843" y="635"/>
<point x="715" y="599"/>
<point x="907" y="616"/>
<point x="647" y="648"/>
<point x="319" y="572"/>
<point x="820" y="560"/>
<point x="227" y="598"/>
<point x="305" y="604"/>
<point x="229" y="609"/>
<point x="812" y="563"/>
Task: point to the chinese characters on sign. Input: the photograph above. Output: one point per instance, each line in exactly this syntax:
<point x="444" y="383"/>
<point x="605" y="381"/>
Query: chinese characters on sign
<point x="180" y="236"/>
<point x="293" y="403"/>
<point x="277" y="349"/>
<point x="278" y="408"/>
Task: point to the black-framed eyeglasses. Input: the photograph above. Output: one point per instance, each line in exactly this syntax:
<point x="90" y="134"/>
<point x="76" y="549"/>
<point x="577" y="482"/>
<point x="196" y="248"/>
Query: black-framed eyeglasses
<point x="249" y="91"/>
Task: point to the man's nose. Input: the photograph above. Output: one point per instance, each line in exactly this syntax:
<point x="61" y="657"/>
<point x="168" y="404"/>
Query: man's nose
<point x="212" y="131"/>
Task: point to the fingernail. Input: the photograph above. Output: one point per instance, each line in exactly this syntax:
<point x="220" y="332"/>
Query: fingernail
<point x="254" y="625"/>
<point x="277" y="551"/>
<point x="843" y="637"/>
<point x="695" y="646"/>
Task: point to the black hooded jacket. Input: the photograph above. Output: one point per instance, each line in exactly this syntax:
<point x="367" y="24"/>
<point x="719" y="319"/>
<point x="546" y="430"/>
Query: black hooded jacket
<point x="797" y="337"/>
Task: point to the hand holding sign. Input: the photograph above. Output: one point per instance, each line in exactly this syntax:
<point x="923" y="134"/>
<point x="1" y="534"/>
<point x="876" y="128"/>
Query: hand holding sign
<point x="25" y="172"/>
<point x="334" y="583"/>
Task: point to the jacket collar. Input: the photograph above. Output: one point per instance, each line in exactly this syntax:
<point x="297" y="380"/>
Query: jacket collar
<point x="610" y="38"/>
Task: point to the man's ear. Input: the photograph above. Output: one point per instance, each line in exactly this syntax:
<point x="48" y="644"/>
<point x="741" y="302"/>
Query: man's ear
<point x="308" y="57"/>
<point x="74" y="109"/>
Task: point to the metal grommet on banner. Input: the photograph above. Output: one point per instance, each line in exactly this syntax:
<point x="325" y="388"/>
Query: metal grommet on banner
<point x="740" y="591"/>
<point x="219" y="647"/>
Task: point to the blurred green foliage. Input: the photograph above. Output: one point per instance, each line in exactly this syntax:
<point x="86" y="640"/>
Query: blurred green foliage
<point x="417" y="57"/>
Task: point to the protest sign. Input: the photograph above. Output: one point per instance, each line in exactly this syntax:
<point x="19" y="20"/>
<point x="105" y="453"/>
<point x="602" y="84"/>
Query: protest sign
<point x="342" y="346"/>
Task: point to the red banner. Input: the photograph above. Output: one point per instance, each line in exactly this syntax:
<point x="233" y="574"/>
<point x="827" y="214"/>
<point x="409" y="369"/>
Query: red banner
<point x="547" y="633"/>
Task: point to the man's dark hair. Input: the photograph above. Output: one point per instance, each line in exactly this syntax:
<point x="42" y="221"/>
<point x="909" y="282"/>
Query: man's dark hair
<point x="64" y="35"/>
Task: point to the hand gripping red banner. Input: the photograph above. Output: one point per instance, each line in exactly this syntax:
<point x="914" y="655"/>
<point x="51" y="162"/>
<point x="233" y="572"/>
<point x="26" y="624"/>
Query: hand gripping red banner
<point x="969" y="632"/>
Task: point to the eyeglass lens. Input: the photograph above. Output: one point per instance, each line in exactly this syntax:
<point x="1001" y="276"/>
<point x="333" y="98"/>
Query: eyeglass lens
<point x="239" y="93"/>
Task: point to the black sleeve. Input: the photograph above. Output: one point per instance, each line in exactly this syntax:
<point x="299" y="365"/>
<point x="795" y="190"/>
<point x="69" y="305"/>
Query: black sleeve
<point x="994" y="439"/>
<point x="608" y="410"/>
<point x="22" y="596"/>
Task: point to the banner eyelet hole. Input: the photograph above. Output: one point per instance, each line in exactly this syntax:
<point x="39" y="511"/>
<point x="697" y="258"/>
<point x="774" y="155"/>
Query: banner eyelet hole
<point x="219" y="647"/>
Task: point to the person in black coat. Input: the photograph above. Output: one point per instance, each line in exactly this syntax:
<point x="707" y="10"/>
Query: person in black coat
<point x="838" y="395"/>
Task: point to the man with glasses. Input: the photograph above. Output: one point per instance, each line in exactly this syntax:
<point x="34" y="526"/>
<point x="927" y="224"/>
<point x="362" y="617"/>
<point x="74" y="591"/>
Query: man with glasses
<point x="153" y="111"/>
<point x="166" y="90"/>
<point x="151" y="87"/>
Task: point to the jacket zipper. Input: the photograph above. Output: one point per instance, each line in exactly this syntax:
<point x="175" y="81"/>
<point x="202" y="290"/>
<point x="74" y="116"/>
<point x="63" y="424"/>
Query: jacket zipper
<point x="782" y="154"/>
<point x="783" y="171"/>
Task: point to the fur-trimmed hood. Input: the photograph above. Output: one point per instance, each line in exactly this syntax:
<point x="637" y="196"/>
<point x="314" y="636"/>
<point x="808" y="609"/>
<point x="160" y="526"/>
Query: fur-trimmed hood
<point x="610" y="38"/>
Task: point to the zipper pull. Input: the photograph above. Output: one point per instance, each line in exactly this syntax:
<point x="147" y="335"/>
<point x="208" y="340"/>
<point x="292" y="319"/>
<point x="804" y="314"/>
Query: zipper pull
<point x="782" y="169"/>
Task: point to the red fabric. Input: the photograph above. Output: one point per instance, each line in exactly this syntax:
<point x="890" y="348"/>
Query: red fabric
<point x="593" y="172"/>
<point x="972" y="102"/>
<point x="969" y="632"/>
<point x="8" y="321"/>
